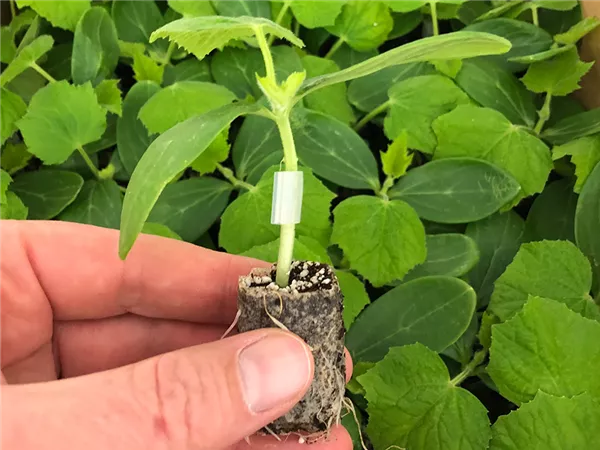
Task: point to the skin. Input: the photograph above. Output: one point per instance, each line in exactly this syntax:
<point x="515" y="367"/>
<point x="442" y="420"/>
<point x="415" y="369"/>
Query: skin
<point x="100" y="353"/>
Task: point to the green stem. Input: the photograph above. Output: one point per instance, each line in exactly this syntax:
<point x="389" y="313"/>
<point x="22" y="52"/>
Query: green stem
<point x="89" y="162"/>
<point x="478" y="358"/>
<point x="13" y="9"/>
<point x="228" y="174"/>
<point x="434" y="18"/>
<point x="335" y="47"/>
<point x="296" y="28"/>
<point x="42" y="72"/>
<point x="534" y="15"/>
<point x="279" y="18"/>
<point x="167" y="58"/>
<point x="544" y="114"/>
<point x="122" y="189"/>
<point x="267" y="56"/>
<point x="387" y="184"/>
<point x="371" y="115"/>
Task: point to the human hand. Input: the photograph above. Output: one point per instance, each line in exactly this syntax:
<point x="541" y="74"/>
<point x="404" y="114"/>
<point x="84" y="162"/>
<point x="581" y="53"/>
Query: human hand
<point x="99" y="353"/>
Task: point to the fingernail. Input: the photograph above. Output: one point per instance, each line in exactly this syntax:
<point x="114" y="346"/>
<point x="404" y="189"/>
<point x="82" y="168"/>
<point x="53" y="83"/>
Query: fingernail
<point x="274" y="370"/>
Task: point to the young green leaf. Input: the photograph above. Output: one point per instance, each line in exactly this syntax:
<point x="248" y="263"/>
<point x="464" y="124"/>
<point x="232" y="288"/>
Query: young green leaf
<point x="413" y="404"/>
<point x="495" y="87"/>
<point x="59" y="13"/>
<point x="160" y="163"/>
<point x="62" y="117"/>
<point x="201" y="35"/>
<point x="132" y="135"/>
<point x="577" y="31"/>
<point x="147" y="69"/>
<point x="99" y="203"/>
<point x="217" y="152"/>
<point x="14" y="157"/>
<point x="585" y="154"/>
<point x="498" y="238"/>
<point x="486" y="134"/>
<point x="13" y="208"/>
<point x="557" y="76"/>
<point x="253" y="208"/>
<point x="26" y="57"/>
<point x="95" y="47"/>
<point x="415" y="103"/>
<point x="12" y="108"/>
<point x="548" y="348"/>
<point x="396" y="159"/>
<point x="255" y="8"/>
<point x="135" y="21"/>
<point x="566" y="423"/>
<point x="570" y="128"/>
<point x="109" y="96"/>
<point x="188" y="70"/>
<point x="363" y="25"/>
<point x="382" y="239"/>
<point x="158" y="229"/>
<point x="355" y="296"/>
<point x="192" y="8"/>
<point x="551" y="269"/>
<point x="334" y="151"/>
<point x="47" y="192"/>
<point x="317" y="14"/>
<point x="305" y="249"/>
<point x="456" y="190"/>
<point x="189" y="207"/>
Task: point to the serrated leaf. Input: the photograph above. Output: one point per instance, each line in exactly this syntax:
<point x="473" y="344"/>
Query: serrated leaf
<point x="59" y="13"/>
<point x="363" y="25"/>
<point x="95" y="47"/>
<point x="192" y="8"/>
<point x="557" y="76"/>
<point x="577" y="31"/>
<point x="256" y="8"/>
<point x="486" y="134"/>
<point x="382" y="239"/>
<point x="216" y="153"/>
<point x="189" y="207"/>
<point x="8" y="49"/>
<point x="396" y="159"/>
<point x="456" y="190"/>
<point x="147" y="69"/>
<point x="551" y="269"/>
<point x="566" y="423"/>
<point x="316" y="14"/>
<point x="254" y="209"/>
<point x="12" y="108"/>
<point x="132" y="135"/>
<point x="109" y="96"/>
<point x="305" y="249"/>
<point x="355" y="296"/>
<point x="62" y="117"/>
<point x="579" y="125"/>
<point x="415" y="103"/>
<point x="412" y="404"/>
<point x="14" y="157"/>
<point x="13" y="208"/>
<point x="26" y="57"/>
<point x="188" y="70"/>
<point x="5" y="180"/>
<point x="201" y="35"/>
<point x="158" y="229"/>
<point x="47" y="192"/>
<point x="160" y="164"/>
<point x="99" y="203"/>
<point x="526" y="356"/>
<point x="586" y="221"/>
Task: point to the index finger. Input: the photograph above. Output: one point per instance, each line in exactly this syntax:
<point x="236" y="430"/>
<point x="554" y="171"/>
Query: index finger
<point x="79" y="270"/>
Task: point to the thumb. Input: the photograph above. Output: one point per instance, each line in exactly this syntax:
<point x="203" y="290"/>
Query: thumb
<point x="204" y="397"/>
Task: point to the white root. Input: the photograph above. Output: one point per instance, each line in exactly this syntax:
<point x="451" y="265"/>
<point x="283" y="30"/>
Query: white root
<point x="235" y="321"/>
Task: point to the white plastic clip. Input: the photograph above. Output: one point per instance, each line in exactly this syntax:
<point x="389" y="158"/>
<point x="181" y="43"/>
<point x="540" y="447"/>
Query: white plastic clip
<point x="287" y="198"/>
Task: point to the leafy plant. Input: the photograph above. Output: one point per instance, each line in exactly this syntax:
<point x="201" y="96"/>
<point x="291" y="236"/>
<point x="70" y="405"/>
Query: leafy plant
<point x="450" y="177"/>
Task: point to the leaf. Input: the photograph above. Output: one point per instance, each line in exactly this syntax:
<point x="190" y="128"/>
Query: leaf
<point x="13" y="208"/>
<point x="62" y="117"/>
<point x="158" y="229"/>
<point x="8" y="50"/>
<point x="462" y="350"/>
<point x="5" y="180"/>
<point x="135" y="21"/>
<point x="558" y="5"/>
<point x="586" y="221"/>
<point x="449" y="68"/>
<point x="12" y="108"/>
<point x="47" y="192"/>
<point x="566" y="423"/>
<point x="99" y="203"/>
<point x="413" y="404"/>
<point x="253" y="208"/>
<point x="570" y="128"/>
<point x="495" y="87"/>
<point x="415" y="103"/>
<point x="95" y="47"/>
<point x="382" y="239"/>
<point x="26" y="57"/>
<point x="551" y="269"/>
<point x="486" y="134"/>
<point x="585" y="154"/>
<point x="201" y="35"/>
<point x="332" y="100"/>
<point x="109" y="96"/>
<point x="146" y="69"/>
<point x="183" y="100"/>
<point x="216" y="153"/>
<point x="498" y="238"/>
<point x="557" y="76"/>
<point x="542" y="220"/>
<point x="316" y="14"/>
<point x="396" y="160"/>
<point x="334" y="151"/>
<point x="577" y="31"/>
<point x="405" y="6"/>
<point x="526" y="39"/>
<point x="541" y="56"/>
<point x="132" y="135"/>
<point x="363" y="25"/>
<point x="355" y="296"/>
<point x="57" y="61"/>
<point x="14" y="157"/>
<point x="405" y="23"/>
<point x="526" y="356"/>
<point x="256" y="8"/>
<point x="160" y="164"/>
<point x="449" y="254"/>
<point x="346" y="56"/>
<point x="188" y="70"/>
<point x="458" y="45"/>
<point x="367" y="93"/>
<point x="59" y="13"/>
<point x="305" y="249"/>
<point x="192" y="8"/>
<point x="191" y="206"/>
<point x="456" y="190"/>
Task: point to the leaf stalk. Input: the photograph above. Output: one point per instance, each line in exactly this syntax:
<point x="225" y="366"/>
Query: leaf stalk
<point x="279" y="18"/>
<point x="266" y="53"/>
<point x="42" y="72"/>
<point x="544" y="114"/>
<point x="89" y="163"/>
<point x="229" y="176"/>
<point x="336" y="46"/>
<point x="434" y="17"/>
<point x="371" y="115"/>
<point x="478" y="358"/>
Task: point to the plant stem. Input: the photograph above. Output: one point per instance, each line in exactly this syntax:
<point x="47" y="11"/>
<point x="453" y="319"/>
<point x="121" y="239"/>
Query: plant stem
<point x="544" y="114"/>
<point x="89" y="162"/>
<point x="42" y="72"/>
<point x="122" y="189"/>
<point x="478" y="358"/>
<point x="267" y="56"/>
<point x="279" y="18"/>
<point x="296" y="28"/>
<point x="387" y="184"/>
<point x="434" y="18"/>
<point x="13" y="9"/>
<point x="371" y="115"/>
<point x="228" y="174"/>
<point x="335" y="48"/>
<point x="170" y="51"/>
<point x="534" y="15"/>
